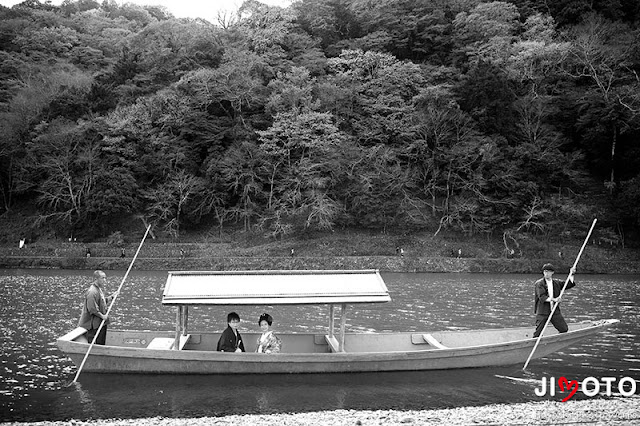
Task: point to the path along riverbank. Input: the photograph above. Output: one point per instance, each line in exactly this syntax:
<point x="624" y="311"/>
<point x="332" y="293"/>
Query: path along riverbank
<point x="344" y="250"/>
<point x="382" y="263"/>
<point x="614" y="411"/>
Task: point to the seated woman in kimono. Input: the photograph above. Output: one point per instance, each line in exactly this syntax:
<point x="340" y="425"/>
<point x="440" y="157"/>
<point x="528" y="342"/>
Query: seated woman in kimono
<point x="268" y="343"/>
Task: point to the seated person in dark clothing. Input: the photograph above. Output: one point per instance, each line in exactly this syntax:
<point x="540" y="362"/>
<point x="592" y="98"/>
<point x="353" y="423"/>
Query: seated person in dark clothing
<point x="230" y="341"/>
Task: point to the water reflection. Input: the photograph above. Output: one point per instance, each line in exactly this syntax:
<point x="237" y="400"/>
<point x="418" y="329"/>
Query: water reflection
<point x="177" y="396"/>
<point x="38" y="306"/>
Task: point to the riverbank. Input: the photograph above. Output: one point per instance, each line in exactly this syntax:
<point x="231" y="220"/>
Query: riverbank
<point x="382" y="263"/>
<point x="614" y="411"/>
<point x="345" y="250"/>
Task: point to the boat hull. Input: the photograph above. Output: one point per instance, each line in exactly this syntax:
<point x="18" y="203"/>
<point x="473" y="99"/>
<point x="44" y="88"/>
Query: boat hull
<point x="317" y="358"/>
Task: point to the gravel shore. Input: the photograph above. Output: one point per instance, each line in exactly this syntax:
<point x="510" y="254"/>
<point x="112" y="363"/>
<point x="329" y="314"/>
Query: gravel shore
<point x="614" y="411"/>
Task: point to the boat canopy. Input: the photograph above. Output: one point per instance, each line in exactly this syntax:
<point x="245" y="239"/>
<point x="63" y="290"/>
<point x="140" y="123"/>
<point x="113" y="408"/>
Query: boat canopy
<point x="274" y="287"/>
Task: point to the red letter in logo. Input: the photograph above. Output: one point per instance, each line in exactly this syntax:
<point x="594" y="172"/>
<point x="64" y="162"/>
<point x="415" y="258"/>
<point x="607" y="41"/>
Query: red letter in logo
<point x="573" y="384"/>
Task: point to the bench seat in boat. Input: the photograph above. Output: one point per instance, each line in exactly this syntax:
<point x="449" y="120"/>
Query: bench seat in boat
<point x="418" y="339"/>
<point x="167" y="342"/>
<point x="334" y="346"/>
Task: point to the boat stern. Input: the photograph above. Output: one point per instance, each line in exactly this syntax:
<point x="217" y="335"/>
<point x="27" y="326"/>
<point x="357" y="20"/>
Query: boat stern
<point x="77" y="335"/>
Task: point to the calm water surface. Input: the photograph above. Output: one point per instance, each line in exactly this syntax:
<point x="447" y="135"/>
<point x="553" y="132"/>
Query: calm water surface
<point x="38" y="306"/>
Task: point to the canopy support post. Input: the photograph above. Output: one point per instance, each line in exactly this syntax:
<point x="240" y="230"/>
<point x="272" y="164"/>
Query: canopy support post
<point x="343" y="323"/>
<point x="332" y="317"/>
<point x="185" y="322"/>
<point x="176" y="341"/>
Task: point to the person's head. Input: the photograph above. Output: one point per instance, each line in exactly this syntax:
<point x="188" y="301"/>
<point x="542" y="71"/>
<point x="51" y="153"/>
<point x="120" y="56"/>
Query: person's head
<point x="233" y="320"/>
<point x="100" y="277"/>
<point x="548" y="270"/>
<point x="265" y="321"/>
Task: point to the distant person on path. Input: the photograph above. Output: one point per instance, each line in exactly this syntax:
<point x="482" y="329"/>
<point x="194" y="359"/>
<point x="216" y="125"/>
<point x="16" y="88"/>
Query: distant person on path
<point x="547" y="292"/>
<point x="230" y="341"/>
<point x="122" y="253"/>
<point x="268" y="343"/>
<point x="88" y="253"/>
<point x="94" y="309"/>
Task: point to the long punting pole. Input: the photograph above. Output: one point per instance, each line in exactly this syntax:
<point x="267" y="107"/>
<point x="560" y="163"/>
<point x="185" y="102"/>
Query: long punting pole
<point x="555" y="305"/>
<point x="111" y="305"/>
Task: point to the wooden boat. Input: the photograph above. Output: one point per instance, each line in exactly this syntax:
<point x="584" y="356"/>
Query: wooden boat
<point x="182" y="351"/>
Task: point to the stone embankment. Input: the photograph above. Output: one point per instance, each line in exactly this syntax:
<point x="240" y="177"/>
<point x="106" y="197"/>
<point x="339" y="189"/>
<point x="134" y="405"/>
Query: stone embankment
<point x="383" y="263"/>
<point x="158" y="256"/>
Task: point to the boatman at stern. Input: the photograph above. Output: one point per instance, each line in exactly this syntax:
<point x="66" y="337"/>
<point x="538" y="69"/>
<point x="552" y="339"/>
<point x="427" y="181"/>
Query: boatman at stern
<point x="547" y="293"/>
<point x="94" y="309"/>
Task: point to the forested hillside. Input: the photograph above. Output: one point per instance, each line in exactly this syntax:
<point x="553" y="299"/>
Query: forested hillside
<point x="507" y="118"/>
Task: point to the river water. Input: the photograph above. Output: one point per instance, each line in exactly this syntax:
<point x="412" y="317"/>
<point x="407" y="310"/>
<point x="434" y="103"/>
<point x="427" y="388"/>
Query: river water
<point x="37" y="306"/>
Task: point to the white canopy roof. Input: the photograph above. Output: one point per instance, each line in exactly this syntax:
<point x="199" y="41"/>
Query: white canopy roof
<point x="274" y="287"/>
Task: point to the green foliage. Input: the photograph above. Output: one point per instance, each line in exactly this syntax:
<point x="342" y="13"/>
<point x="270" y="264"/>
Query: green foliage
<point x="166" y="202"/>
<point x="116" y="239"/>
<point x="303" y="150"/>
<point x="488" y="95"/>
<point x="61" y="170"/>
<point x="470" y="116"/>
<point x="374" y="189"/>
<point x="628" y="201"/>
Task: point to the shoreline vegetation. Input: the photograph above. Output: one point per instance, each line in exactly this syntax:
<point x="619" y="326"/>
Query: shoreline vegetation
<point x="346" y="250"/>
<point x="382" y="263"/>
<point x="602" y="411"/>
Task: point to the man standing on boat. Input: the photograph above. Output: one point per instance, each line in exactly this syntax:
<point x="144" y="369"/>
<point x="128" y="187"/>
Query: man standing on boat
<point x="94" y="309"/>
<point x="230" y="341"/>
<point x="547" y="292"/>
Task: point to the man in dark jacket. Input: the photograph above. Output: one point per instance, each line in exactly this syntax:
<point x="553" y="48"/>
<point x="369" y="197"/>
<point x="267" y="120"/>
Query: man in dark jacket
<point x="547" y="292"/>
<point x="94" y="310"/>
<point x="230" y="341"/>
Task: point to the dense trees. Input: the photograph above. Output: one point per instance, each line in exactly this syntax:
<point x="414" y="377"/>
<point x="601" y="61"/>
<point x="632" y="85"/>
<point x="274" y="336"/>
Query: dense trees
<point x="483" y="117"/>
